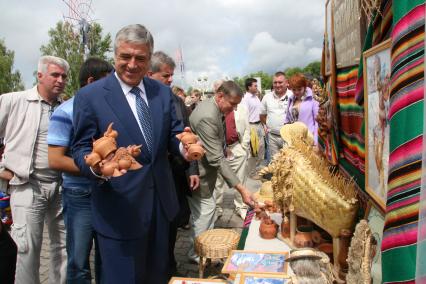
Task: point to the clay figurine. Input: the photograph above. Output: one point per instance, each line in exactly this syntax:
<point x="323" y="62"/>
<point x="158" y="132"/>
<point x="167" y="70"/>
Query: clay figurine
<point x="110" y="160"/>
<point x="189" y="141"/>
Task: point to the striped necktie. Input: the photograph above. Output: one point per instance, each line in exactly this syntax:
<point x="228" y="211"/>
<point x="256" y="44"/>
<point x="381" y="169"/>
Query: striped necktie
<point x="144" y="117"/>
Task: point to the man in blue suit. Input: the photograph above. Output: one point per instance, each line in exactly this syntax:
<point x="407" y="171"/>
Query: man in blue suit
<point x="131" y="213"/>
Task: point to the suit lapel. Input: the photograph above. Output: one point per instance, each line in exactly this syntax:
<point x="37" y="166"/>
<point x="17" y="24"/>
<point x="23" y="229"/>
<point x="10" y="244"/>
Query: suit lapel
<point x="156" y="110"/>
<point x="119" y="105"/>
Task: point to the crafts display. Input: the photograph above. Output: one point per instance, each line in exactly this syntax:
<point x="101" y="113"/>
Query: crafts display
<point x="256" y="262"/>
<point x="361" y="254"/>
<point x="255" y="278"/>
<point x="303" y="184"/>
<point x="189" y="141"/>
<point x="310" y="266"/>
<point x="186" y="280"/>
<point x="110" y="160"/>
<point x="268" y="229"/>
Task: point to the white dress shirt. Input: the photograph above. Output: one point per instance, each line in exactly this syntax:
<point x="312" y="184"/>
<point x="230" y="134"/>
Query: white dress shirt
<point x="130" y="97"/>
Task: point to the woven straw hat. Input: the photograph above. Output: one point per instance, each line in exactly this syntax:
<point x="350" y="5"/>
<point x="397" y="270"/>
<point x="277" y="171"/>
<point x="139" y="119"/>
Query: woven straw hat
<point x="297" y="130"/>
<point x="265" y="193"/>
<point x="304" y="253"/>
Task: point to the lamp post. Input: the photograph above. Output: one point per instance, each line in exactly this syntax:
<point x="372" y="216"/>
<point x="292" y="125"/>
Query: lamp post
<point x="202" y="83"/>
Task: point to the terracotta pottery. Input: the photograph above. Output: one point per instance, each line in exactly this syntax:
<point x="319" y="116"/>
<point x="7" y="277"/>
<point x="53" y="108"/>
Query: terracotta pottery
<point x="110" y="132"/>
<point x="268" y="228"/>
<point x="187" y="138"/>
<point x="108" y="168"/>
<point x="134" y="150"/>
<point x="104" y="146"/>
<point x="285" y="227"/>
<point x="326" y="248"/>
<point x="135" y="165"/>
<point x="195" y="151"/>
<point x="316" y="237"/>
<point x="92" y="159"/>
<point x="303" y="237"/>
<point x="345" y="241"/>
<point x="124" y="163"/>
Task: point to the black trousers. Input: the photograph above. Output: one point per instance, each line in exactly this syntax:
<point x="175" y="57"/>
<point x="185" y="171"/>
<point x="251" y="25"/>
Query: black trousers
<point x="8" y="253"/>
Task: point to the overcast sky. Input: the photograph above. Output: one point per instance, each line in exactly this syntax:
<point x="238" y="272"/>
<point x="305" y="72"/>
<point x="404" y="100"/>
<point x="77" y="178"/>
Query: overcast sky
<point x="219" y="38"/>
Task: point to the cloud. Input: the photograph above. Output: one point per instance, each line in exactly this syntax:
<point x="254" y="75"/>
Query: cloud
<point x="270" y="55"/>
<point x="219" y="38"/>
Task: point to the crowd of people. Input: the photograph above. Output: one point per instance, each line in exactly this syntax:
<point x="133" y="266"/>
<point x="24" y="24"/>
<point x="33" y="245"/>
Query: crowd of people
<point x="43" y="165"/>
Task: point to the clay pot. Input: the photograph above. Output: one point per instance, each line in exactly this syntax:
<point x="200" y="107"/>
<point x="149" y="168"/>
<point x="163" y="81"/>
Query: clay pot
<point x="345" y="241"/>
<point x="92" y="159"/>
<point x="326" y="248"/>
<point x="285" y="227"/>
<point x="268" y="228"/>
<point x="195" y="151"/>
<point x="316" y="237"/>
<point x="303" y="237"/>
<point x="187" y="138"/>
<point x="104" y="146"/>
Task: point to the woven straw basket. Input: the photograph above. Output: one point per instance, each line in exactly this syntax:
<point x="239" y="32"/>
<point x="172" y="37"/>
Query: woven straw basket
<point x="302" y="183"/>
<point x="216" y="243"/>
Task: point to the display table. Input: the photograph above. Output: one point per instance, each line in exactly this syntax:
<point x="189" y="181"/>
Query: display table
<point x="251" y="241"/>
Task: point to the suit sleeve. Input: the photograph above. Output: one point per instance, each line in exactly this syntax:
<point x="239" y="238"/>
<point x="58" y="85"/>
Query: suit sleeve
<point x="176" y="127"/>
<point x="208" y="131"/>
<point x="85" y="129"/>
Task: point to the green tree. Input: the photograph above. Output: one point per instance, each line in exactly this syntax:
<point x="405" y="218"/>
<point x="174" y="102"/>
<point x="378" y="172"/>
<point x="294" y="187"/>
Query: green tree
<point x="66" y="43"/>
<point x="313" y="68"/>
<point x="10" y="80"/>
<point x="290" y="71"/>
<point x="266" y="80"/>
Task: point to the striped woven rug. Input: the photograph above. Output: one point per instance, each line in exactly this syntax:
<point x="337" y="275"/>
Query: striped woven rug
<point x="351" y="122"/>
<point x="406" y="128"/>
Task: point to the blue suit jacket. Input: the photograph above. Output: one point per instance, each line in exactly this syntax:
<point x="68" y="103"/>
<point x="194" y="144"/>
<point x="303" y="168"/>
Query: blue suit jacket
<point x="122" y="206"/>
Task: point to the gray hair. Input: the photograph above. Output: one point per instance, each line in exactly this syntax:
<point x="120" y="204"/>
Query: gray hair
<point x="46" y="60"/>
<point x="134" y="34"/>
<point x="230" y="88"/>
<point x="159" y="58"/>
<point x="217" y="84"/>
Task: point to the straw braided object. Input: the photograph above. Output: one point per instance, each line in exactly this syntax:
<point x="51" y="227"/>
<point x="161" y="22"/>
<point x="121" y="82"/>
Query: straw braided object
<point x="216" y="243"/>
<point x="303" y="183"/>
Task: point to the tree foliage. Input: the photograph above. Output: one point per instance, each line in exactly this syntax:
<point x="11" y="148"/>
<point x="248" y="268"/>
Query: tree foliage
<point x="10" y="81"/>
<point x="66" y="43"/>
<point x="312" y="68"/>
<point x="265" y="78"/>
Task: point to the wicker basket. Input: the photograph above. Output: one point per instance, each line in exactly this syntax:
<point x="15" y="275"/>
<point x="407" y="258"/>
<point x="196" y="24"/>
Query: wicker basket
<point x="216" y="243"/>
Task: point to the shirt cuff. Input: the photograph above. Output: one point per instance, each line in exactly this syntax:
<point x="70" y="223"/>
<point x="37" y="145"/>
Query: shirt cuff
<point x="181" y="149"/>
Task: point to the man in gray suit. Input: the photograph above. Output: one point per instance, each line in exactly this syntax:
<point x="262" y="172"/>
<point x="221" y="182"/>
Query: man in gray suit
<point x="208" y="122"/>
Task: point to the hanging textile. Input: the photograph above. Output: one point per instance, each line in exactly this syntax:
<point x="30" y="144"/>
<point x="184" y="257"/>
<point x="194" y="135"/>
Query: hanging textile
<point x="351" y="121"/>
<point x="399" y="243"/>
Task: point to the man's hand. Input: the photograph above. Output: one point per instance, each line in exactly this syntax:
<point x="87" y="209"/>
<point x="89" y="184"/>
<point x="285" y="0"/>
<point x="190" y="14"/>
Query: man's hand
<point x="246" y="195"/>
<point x="248" y="198"/>
<point x="6" y="174"/>
<point x="194" y="182"/>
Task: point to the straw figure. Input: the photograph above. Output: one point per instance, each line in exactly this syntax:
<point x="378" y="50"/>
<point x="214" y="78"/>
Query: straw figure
<point x="303" y="185"/>
<point x="310" y="267"/>
<point x="360" y="256"/>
